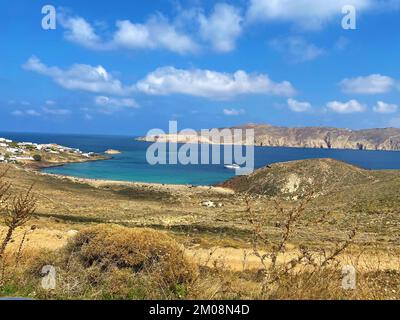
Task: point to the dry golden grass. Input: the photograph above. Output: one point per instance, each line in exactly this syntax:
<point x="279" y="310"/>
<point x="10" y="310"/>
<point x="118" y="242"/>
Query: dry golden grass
<point x="97" y="274"/>
<point x="107" y="261"/>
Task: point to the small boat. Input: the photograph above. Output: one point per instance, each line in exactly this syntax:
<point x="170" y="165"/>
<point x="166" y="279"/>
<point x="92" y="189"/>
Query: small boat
<point x="232" y="166"/>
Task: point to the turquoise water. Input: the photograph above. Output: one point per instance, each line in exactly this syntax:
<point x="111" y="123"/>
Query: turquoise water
<point x="131" y="165"/>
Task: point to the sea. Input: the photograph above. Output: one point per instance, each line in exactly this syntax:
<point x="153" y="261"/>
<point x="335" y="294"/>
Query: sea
<point x="131" y="164"/>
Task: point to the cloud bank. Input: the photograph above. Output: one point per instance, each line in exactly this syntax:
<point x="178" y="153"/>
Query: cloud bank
<point x="80" y="77"/>
<point x="372" y="84"/>
<point x="211" y="84"/>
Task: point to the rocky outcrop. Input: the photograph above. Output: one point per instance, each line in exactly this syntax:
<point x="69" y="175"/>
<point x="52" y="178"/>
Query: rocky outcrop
<point x="305" y="137"/>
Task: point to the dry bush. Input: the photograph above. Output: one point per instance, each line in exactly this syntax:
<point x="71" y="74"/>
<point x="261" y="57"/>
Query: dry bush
<point x="4" y="188"/>
<point x="15" y="209"/>
<point x="305" y="265"/>
<point x="18" y="210"/>
<point x="115" y="262"/>
<point x="141" y="250"/>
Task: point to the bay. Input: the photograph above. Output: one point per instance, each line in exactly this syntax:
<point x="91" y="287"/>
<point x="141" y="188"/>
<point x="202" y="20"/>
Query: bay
<point x="131" y="164"/>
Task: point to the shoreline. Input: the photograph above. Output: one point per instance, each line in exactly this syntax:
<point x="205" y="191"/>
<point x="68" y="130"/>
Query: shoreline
<point x="107" y="182"/>
<point x="43" y="165"/>
<point x="38" y="167"/>
<point x="98" y="183"/>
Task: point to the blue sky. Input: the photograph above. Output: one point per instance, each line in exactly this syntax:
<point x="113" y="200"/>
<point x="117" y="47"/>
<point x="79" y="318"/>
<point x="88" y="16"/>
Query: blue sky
<point x="124" y="67"/>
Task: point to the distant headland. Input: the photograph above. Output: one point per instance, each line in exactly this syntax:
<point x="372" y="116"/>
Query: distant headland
<point x="302" y="137"/>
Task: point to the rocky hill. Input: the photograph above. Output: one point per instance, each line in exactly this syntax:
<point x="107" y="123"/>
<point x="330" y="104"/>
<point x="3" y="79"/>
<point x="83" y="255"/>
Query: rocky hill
<point x="305" y="137"/>
<point x="296" y="178"/>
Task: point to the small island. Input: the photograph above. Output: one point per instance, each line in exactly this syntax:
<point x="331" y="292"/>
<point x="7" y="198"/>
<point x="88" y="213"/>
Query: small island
<point x="112" y="151"/>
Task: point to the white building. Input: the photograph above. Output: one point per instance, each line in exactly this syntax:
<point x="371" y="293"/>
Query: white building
<point x="14" y="150"/>
<point x="23" y="158"/>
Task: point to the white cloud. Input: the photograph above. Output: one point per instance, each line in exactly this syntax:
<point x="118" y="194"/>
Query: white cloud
<point x="56" y="111"/>
<point x="351" y="106"/>
<point x="31" y="112"/>
<point x="163" y="81"/>
<point x="22" y="113"/>
<point x="50" y="102"/>
<point x="80" y="77"/>
<point x="372" y="84"/>
<point x="341" y="43"/>
<point x="222" y="27"/>
<point x="306" y="13"/>
<point x="79" y="31"/>
<point x="17" y="113"/>
<point x="18" y="102"/>
<point x="382" y="107"/>
<point x="233" y="112"/>
<point x="115" y="102"/>
<point x="296" y="49"/>
<point x="88" y="117"/>
<point x="211" y="84"/>
<point x="43" y="111"/>
<point x="298" y="106"/>
<point x="156" y="33"/>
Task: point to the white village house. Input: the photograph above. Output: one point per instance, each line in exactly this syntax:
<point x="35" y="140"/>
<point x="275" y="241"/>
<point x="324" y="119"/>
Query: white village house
<point x="14" y="150"/>
<point x="21" y="158"/>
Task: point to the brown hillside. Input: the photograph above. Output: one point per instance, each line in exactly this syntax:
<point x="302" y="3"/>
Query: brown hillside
<point x="296" y="178"/>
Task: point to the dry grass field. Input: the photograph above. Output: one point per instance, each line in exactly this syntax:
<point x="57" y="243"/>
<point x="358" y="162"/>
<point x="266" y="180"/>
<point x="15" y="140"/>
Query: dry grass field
<point x="283" y="233"/>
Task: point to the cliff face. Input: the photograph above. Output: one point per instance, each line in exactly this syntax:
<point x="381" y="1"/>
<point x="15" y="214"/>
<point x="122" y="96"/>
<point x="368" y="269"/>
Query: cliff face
<point x="306" y="137"/>
<point x="321" y="137"/>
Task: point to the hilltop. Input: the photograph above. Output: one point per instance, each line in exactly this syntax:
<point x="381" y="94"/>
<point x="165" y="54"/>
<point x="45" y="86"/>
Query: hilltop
<point x="296" y="178"/>
<point x="304" y="137"/>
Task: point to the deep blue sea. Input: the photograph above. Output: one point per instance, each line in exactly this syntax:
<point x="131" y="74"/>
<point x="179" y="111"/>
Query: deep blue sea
<point x="131" y="165"/>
